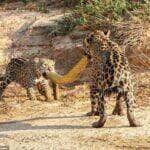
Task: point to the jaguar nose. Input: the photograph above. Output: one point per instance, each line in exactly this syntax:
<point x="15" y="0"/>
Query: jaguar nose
<point x="50" y="69"/>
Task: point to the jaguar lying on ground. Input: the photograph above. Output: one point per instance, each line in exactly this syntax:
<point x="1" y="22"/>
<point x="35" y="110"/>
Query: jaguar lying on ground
<point x="110" y="73"/>
<point x="28" y="73"/>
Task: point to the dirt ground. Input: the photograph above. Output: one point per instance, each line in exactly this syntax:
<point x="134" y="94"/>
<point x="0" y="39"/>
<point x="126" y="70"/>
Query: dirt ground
<point x="63" y="125"/>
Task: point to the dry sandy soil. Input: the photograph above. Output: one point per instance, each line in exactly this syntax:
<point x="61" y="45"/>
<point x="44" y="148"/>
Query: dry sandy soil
<point x="63" y="125"/>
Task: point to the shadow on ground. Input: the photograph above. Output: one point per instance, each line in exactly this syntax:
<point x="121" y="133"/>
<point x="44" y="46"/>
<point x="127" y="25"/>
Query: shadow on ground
<point x="20" y="125"/>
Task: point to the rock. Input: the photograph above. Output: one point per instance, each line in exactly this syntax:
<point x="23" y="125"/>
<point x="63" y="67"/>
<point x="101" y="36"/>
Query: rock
<point x="22" y="31"/>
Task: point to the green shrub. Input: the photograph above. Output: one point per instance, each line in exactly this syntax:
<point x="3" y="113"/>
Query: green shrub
<point x="7" y="1"/>
<point x="111" y="9"/>
<point x="92" y="12"/>
<point x="71" y="3"/>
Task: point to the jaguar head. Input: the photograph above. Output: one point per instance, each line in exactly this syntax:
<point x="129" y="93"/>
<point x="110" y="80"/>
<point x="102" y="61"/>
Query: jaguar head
<point x="47" y="65"/>
<point x="94" y="43"/>
<point x="44" y="65"/>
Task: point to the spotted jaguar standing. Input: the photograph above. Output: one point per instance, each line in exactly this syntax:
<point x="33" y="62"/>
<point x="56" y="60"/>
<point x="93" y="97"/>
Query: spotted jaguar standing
<point x="110" y="73"/>
<point x="28" y="73"/>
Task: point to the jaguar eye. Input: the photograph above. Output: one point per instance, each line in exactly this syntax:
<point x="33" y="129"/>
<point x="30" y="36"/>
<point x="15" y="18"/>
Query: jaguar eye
<point x="90" y="39"/>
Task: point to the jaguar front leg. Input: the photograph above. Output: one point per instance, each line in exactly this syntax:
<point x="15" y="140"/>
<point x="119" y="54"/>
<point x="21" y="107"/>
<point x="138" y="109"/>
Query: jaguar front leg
<point x="129" y="99"/>
<point x="31" y="93"/>
<point x="6" y="81"/>
<point x="102" y="112"/>
<point x="55" y="90"/>
<point x="47" y="90"/>
<point x="44" y="88"/>
<point x="93" y="97"/>
<point x="118" y="110"/>
<point x="94" y="111"/>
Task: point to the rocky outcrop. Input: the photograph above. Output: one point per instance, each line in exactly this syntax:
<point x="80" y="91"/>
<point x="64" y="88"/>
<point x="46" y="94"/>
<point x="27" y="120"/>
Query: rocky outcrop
<point x="26" y="33"/>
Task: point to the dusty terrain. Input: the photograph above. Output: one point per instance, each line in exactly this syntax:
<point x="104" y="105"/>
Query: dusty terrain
<point x="62" y="124"/>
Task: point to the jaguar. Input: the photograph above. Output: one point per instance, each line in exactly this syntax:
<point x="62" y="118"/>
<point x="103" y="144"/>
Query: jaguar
<point x="109" y="73"/>
<point x="28" y="73"/>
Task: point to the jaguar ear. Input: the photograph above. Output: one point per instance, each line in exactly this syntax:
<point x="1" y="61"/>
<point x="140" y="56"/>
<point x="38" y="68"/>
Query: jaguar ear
<point x="50" y="61"/>
<point x="108" y="34"/>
